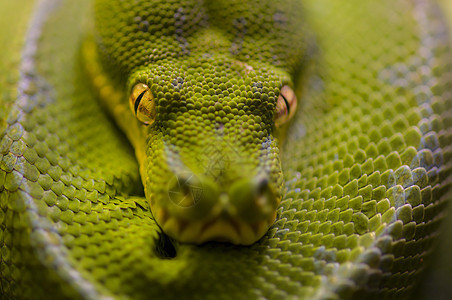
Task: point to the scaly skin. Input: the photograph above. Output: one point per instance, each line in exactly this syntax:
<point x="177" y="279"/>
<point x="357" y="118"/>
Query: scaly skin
<point x="210" y="162"/>
<point x="366" y="161"/>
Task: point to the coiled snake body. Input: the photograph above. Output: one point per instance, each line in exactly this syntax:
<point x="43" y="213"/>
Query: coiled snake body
<point x="201" y="90"/>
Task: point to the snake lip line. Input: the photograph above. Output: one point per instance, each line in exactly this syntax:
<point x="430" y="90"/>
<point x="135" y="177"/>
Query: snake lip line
<point x="221" y="229"/>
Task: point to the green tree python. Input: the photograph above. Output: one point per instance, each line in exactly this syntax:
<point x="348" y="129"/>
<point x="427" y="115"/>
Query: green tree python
<point x="222" y="149"/>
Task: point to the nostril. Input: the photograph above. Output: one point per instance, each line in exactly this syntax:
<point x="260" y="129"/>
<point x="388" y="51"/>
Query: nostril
<point x="184" y="185"/>
<point x="190" y="196"/>
<point x="255" y="199"/>
<point x="264" y="195"/>
<point x="262" y="186"/>
<point x="184" y="190"/>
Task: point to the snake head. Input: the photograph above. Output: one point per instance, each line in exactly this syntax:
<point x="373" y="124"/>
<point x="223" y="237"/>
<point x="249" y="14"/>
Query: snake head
<point x="211" y="169"/>
<point x="207" y="97"/>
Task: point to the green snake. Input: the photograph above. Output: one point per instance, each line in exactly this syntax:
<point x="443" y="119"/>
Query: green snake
<point x="156" y="149"/>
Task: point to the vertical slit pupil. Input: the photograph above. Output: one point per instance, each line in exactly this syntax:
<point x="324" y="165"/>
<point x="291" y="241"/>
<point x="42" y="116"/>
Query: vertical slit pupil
<point x="287" y="104"/>
<point x="137" y="102"/>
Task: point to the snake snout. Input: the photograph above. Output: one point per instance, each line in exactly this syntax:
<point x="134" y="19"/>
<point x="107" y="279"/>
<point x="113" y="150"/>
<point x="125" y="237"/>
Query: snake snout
<point x="217" y="192"/>
<point x="200" y="209"/>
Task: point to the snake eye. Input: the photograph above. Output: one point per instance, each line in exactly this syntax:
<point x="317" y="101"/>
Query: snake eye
<point x="286" y="106"/>
<point x="142" y="103"/>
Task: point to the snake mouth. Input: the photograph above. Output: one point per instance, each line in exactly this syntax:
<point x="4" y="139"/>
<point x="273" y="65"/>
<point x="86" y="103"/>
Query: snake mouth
<point x="196" y="211"/>
<point x="225" y="230"/>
